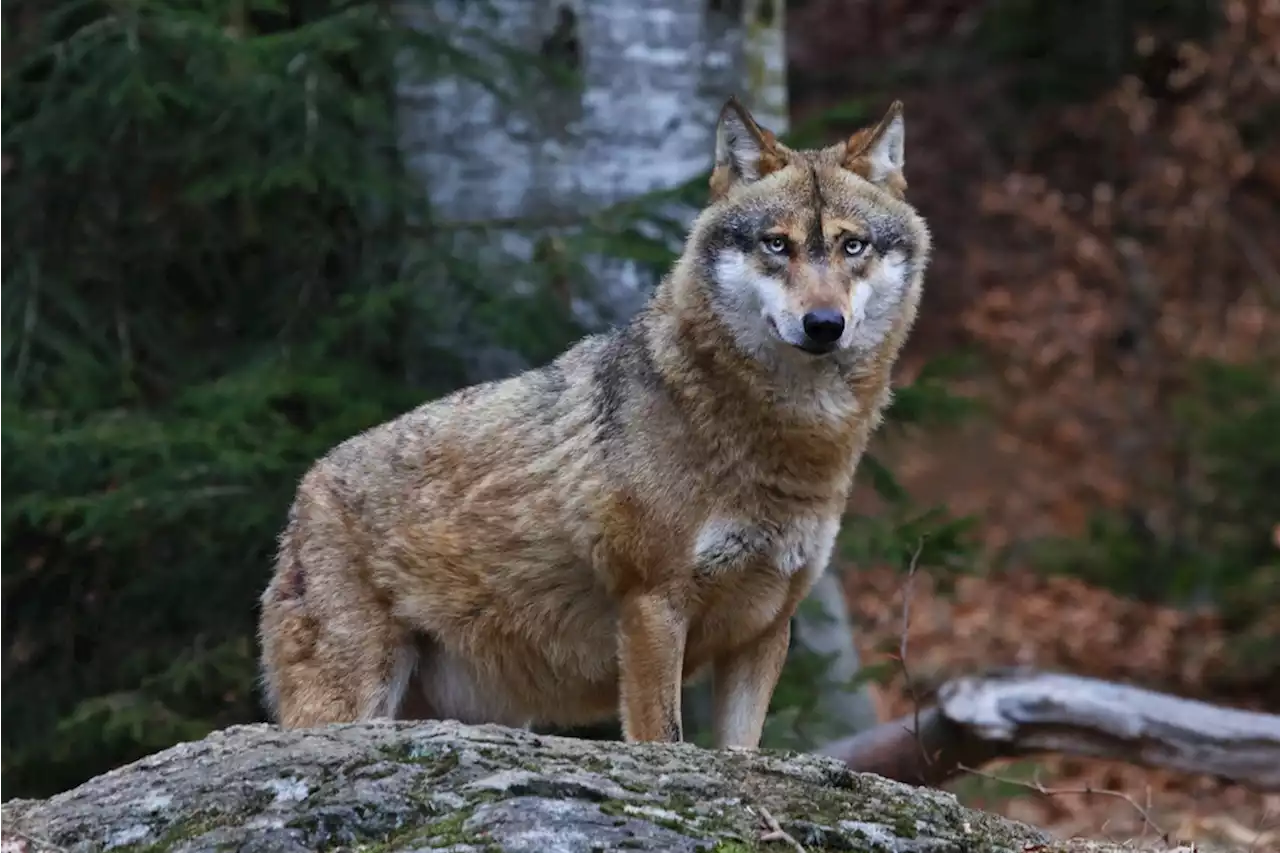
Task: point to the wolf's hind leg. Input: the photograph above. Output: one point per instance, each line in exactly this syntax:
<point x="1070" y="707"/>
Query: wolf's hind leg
<point x="331" y="653"/>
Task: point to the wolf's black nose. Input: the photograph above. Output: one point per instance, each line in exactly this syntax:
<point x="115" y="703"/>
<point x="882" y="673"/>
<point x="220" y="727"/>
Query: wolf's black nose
<point x="824" y="326"/>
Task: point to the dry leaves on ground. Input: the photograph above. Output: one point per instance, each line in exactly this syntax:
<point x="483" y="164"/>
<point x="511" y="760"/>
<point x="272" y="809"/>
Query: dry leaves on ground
<point x="1064" y="624"/>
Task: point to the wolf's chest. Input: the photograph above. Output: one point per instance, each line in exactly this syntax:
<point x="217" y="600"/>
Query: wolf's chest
<point x="726" y="545"/>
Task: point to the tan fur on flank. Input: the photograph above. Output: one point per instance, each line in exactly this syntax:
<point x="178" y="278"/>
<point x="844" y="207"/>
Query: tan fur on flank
<point x="577" y="541"/>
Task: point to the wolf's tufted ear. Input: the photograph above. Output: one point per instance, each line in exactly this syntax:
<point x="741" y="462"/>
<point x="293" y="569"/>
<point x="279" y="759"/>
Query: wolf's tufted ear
<point x="876" y="153"/>
<point x="745" y="151"/>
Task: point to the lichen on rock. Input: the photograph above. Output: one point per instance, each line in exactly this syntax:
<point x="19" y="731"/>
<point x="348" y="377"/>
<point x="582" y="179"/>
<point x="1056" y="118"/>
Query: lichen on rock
<point x="396" y="786"/>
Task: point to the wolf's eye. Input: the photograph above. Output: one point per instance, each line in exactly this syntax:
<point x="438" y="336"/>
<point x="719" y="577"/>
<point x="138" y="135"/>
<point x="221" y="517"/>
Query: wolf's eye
<point x="854" y="247"/>
<point x="775" y="245"/>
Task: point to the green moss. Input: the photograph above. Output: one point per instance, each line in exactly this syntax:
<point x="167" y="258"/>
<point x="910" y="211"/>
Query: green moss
<point x="665" y="822"/>
<point x="734" y="846"/>
<point x="445" y="763"/>
<point x="681" y="802"/>
<point x="409" y="752"/>
<point x="613" y="808"/>
<point x="375" y="770"/>
<point x="445" y="831"/>
<point x="183" y="830"/>
<point x="449" y="829"/>
<point x="595" y="764"/>
<point x="718" y="823"/>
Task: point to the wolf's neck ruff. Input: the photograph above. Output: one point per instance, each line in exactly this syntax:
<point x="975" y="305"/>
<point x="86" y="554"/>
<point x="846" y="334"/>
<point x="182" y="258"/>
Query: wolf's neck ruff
<point x="718" y="380"/>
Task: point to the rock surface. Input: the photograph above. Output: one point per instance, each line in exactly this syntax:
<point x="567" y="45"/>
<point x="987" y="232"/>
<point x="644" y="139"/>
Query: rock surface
<point x="444" y="786"/>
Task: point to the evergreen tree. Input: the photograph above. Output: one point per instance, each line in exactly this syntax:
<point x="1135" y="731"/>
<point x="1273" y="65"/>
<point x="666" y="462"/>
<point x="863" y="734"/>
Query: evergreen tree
<point x="217" y="270"/>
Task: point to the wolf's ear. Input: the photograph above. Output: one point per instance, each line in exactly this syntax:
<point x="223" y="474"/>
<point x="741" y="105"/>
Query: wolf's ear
<point x="876" y="153"/>
<point x="745" y="151"/>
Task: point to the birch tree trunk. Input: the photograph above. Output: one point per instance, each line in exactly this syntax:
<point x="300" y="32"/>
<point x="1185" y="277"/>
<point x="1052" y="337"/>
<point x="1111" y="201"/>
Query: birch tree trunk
<point x="653" y="76"/>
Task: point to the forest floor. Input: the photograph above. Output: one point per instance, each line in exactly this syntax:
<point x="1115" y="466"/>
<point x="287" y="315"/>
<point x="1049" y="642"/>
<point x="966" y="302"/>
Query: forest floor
<point x="1046" y="453"/>
<point x="1063" y="624"/>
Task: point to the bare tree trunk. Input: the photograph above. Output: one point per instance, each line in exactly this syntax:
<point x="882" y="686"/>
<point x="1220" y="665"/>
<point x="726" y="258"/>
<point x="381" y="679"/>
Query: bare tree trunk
<point x="652" y="77"/>
<point x="825" y="628"/>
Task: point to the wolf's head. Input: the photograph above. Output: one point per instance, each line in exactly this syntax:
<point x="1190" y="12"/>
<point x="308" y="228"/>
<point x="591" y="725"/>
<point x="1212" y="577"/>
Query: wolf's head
<point x="810" y="253"/>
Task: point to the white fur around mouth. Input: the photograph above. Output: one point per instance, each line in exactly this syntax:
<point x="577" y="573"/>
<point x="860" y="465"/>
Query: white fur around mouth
<point x="777" y="333"/>
<point x="810" y="352"/>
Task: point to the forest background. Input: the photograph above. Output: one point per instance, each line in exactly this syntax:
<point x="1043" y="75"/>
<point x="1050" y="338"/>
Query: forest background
<point x="240" y="232"/>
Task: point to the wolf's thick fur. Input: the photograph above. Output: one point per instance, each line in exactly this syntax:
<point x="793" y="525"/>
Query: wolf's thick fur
<point x="578" y="540"/>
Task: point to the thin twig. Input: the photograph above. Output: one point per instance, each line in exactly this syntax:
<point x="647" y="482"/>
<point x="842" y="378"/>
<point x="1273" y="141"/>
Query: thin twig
<point x="1086" y="790"/>
<point x="902" y="648"/>
<point x="1262" y="827"/>
<point x="776" y="832"/>
<point x="41" y="844"/>
<point x="30" y="310"/>
<point x="1251" y="250"/>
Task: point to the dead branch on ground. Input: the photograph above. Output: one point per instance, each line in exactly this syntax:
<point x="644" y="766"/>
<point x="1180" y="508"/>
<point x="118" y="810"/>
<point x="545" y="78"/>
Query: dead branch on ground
<point x="1009" y="713"/>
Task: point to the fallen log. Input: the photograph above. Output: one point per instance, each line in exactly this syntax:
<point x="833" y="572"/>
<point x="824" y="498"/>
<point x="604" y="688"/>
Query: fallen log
<point x="1017" y="712"/>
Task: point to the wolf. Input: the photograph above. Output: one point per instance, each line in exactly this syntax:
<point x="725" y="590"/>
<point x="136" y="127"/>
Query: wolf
<point x="574" y="543"/>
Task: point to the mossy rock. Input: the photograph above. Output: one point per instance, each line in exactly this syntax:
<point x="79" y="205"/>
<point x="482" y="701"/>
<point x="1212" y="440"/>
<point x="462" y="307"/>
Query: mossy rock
<point x="384" y="787"/>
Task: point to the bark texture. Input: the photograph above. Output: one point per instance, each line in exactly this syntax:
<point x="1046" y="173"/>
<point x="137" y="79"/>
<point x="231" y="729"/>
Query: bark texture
<point x="444" y="786"/>
<point x="1017" y="712"/>
<point x="651" y="78"/>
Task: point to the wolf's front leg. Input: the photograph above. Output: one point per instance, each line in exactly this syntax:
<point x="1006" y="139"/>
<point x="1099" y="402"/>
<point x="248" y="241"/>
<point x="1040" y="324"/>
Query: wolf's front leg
<point x="743" y="685"/>
<point x="651" y="638"/>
